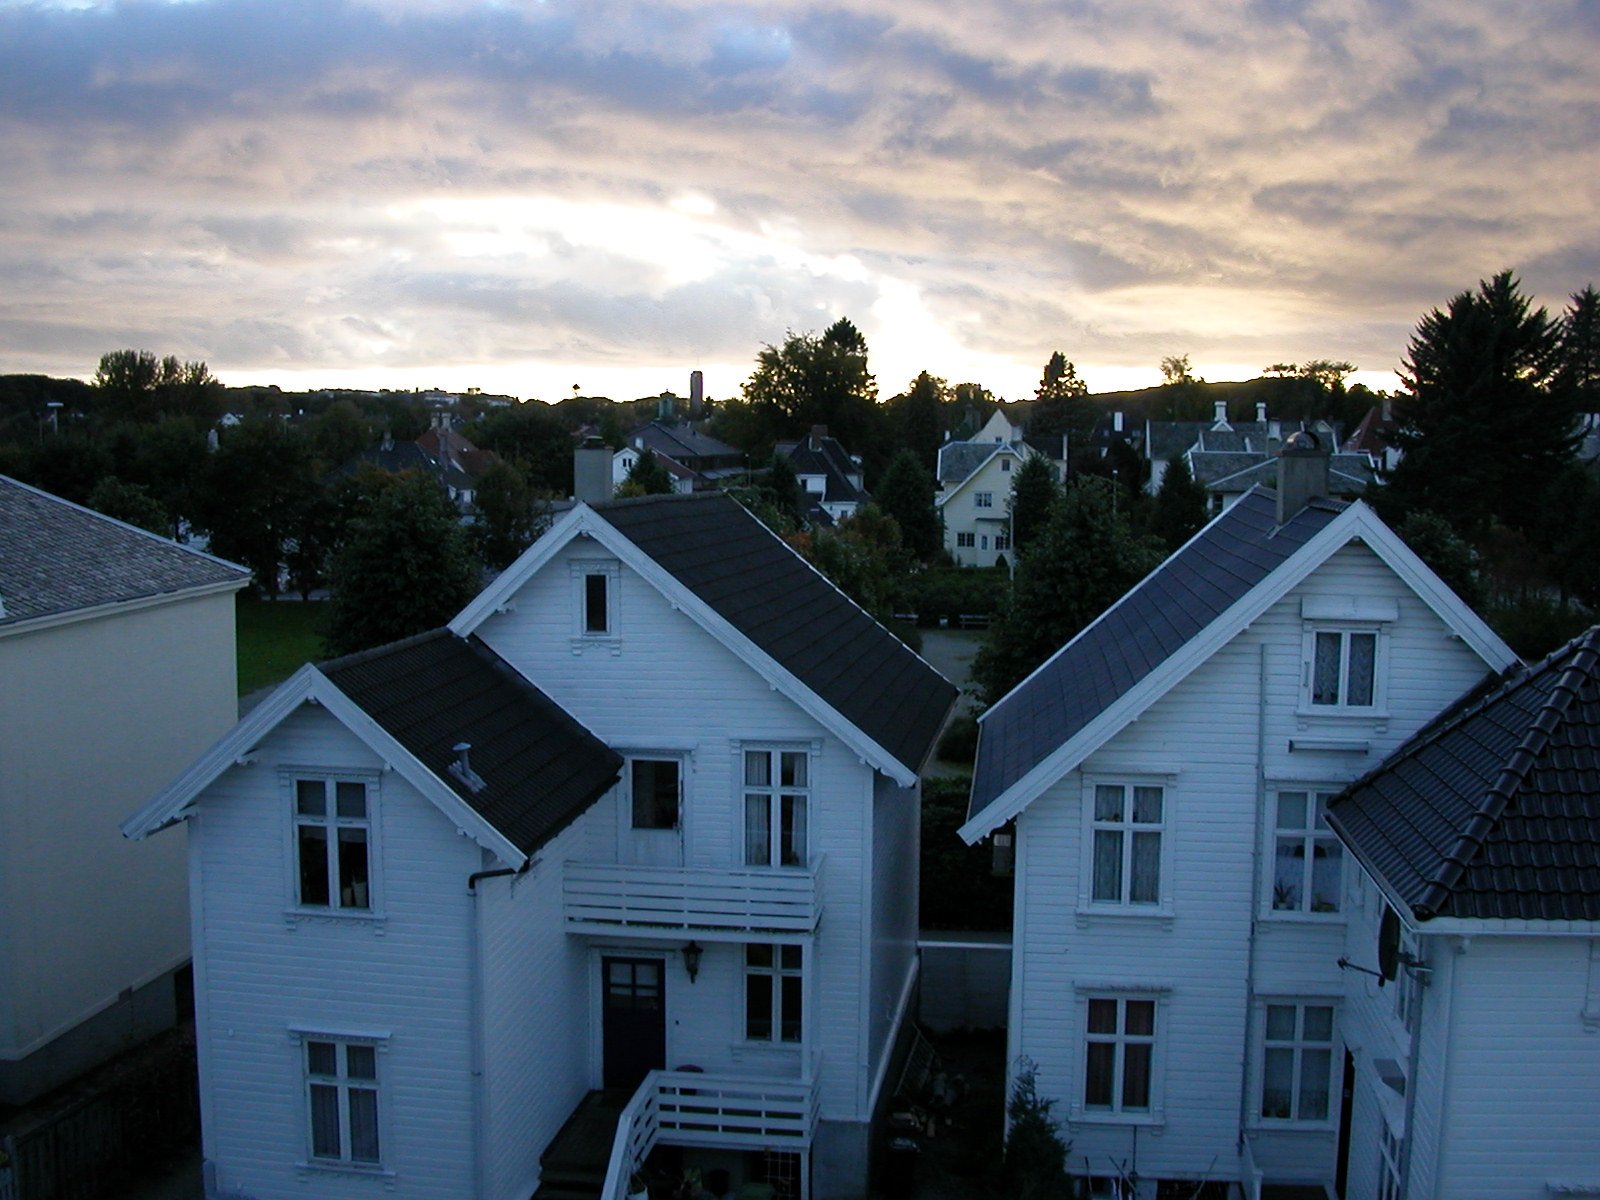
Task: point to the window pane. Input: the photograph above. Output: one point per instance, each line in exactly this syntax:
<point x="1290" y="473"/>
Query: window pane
<point x="1314" y="1066"/>
<point x="794" y="769"/>
<point x="789" y="957"/>
<point x="1107" y="865"/>
<point x="313" y="848"/>
<point x="791" y="1008"/>
<point x="1102" y="1016"/>
<point x="1136" y="1077"/>
<point x="321" y="1058"/>
<point x="1288" y="873"/>
<point x="594" y="603"/>
<point x="1146" y="887"/>
<point x="655" y="794"/>
<point x="310" y="797"/>
<point x="1363" y="652"/>
<point x="1327" y="858"/>
<point x="1097" y="1078"/>
<point x="758" y="1007"/>
<point x="325" y="1121"/>
<point x="758" y="830"/>
<point x="1325" y="669"/>
<point x="1141" y="1018"/>
<point x="1322" y="809"/>
<point x="758" y="954"/>
<point x="351" y="800"/>
<point x="1291" y="810"/>
<point x="353" y="868"/>
<point x="1147" y="805"/>
<point x="363" y="1125"/>
<point x="1108" y="802"/>
<point x="1277" y="1084"/>
<point x="361" y="1062"/>
<point x="1280" y="1022"/>
<point x="1319" y="1023"/>
<point x="793" y="833"/>
<point x="757" y="768"/>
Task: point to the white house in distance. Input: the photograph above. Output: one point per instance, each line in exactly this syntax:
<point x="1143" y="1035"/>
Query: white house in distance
<point x="974" y="499"/>
<point x="627" y="854"/>
<point x="117" y="662"/>
<point x="1181" y="905"/>
<point x="1476" y="1070"/>
<point x="829" y="475"/>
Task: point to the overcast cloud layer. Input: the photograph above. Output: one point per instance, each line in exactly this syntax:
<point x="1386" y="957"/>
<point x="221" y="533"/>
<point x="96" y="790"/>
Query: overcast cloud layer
<point x="526" y="196"/>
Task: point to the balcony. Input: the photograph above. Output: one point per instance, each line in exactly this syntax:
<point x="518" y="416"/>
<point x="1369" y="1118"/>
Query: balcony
<point x="671" y="902"/>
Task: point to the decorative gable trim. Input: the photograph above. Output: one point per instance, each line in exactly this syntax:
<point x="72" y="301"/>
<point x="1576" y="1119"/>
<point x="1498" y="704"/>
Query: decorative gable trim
<point x="1357" y="523"/>
<point x="584" y="522"/>
<point x="309" y="686"/>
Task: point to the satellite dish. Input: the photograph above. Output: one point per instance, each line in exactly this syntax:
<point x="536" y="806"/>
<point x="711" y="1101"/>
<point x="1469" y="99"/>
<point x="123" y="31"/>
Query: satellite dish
<point x="1389" y="944"/>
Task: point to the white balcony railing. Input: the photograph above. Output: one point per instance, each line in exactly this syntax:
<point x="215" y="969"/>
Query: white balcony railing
<point x="685" y="1108"/>
<point x="672" y="901"/>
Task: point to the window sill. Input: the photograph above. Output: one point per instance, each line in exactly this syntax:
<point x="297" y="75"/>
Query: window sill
<point x="1289" y="916"/>
<point x="1150" y="1120"/>
<point x="376" y="921"/>
<point x="1306" y="711"/>
<point x="597" y="642"/>
<point x="1279" y="1125"/>
<point x="1161" y="915"/>
<point x="310" y="1166"/>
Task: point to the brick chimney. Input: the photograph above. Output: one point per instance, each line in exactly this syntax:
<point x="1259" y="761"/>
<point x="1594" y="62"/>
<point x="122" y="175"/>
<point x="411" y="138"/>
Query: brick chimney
<point x="1302" y="473"/>
<point x="591" y="471"/>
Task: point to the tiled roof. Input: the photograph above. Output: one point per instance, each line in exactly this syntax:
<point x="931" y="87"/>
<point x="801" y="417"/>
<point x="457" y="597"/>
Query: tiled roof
<point x="540" y="768"/>
<point x="56" y="558"/>
<point x="957" y="460"/>
<point x="682" y="442"/>
<point x="1349" y="475"/>
<point x="1493" y="810"/>
<point x="828" y="460"/>
<point x="732" y="562"/>
<point x="1147" y="626"/>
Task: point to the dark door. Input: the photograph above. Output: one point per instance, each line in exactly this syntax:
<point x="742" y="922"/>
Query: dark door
<point x="633" y="1020"/>
<point x="1346" y="1098"/>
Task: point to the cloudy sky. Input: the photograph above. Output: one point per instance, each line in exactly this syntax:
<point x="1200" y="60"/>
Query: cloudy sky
<point x="525" y="196"/>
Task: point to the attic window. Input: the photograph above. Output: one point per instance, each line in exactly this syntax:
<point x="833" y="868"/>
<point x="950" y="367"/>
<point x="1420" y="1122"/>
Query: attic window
<point x="595" y="588"/>
<point x="596" y="614"/>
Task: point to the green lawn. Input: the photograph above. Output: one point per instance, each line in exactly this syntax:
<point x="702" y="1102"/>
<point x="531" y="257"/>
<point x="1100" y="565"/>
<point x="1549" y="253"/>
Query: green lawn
<point x="275" y="638"/>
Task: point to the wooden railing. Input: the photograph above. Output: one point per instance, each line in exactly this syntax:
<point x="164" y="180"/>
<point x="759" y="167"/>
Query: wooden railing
<point x="671" y="901"/>
<point x="686" y="1108"/>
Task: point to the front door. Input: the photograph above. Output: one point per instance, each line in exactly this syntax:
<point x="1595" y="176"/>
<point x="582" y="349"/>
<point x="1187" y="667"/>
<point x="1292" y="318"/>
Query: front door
<point x="633" y="1020"/>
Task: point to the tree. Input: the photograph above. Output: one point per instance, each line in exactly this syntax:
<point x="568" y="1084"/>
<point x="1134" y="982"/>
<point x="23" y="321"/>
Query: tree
<point x="1449" y="557"/>
<point x="922" y="417"/>
<point x="863" y="557"/>
<point x="169" y="459"/>
<point x="1064" y="408"/>
<point x="132" y="385"/>
<point x="532" y="436"/>
<point x="1480" y="422"/>
<point x="1579" y="373"/>
<point x="508" y="515"/>
<point x="812" y="380"/>
<point x="1180" y="505"/>
<point x="782" y="487"/>
<point x="404" y="569"/>
<point x="1036" y="1156"/>
<point x="1175" y="371"/>
<point x="1081" y="562"/>
<point x="1033" y="490"/>
<point x="130" y="503"/>
<point x="647" y="477"/>
<point x="251" y="496"/>
<point x="906" y="493"/>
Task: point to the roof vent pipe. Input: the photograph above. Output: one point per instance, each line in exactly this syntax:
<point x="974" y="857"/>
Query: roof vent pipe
<point x="462" y="767"/>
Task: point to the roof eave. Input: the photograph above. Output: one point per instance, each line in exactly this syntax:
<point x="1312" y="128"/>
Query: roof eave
<point x="115" y="607"/>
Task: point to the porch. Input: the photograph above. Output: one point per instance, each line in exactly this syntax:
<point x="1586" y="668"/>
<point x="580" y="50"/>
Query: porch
<point x="674" y="902"/>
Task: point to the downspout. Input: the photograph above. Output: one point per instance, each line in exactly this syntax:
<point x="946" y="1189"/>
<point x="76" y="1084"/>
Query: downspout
<point x="1446" y="1068"/>
<point x="480" y="1102"/>
<point x="1413" y="1058"/>
<point x="1255" y="889"/>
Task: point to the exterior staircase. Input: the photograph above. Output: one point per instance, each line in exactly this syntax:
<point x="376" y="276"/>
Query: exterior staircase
<point x="573" y="1166"/>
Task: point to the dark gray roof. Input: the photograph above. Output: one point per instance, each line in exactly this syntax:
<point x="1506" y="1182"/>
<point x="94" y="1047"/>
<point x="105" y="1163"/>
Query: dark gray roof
<point x="540" y="768"/>
<point x="1493" y="810"/>
<point x="766" y="591"/>
<point x="957" y="460"/>
<point x="1142" y="630"/>
<point x="1348" y="474"/>
<point x="682" y="442"/>
<point x="828" y="459"/>
<point x="1165" y="438"/>
<point x="56" y="557"/>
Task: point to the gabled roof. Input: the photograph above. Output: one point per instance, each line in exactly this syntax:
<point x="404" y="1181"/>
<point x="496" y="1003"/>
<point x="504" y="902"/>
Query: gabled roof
<point x="730" y="573"/>
<point x="959" y="460"/>
<point x="411" y="702"/>
<point x="826" y="457"/>
<point x="1349" y="475"/>
<point x="682" y="442"/>
<point x="1493" y="810"/>
<point x="58" y="559"/>
<point x="1172" y="621"/>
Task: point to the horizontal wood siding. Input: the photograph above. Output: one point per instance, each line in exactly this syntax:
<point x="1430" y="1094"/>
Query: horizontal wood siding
<point x="896" y="814"/>
<point x="266" y="973"/>
<point x="667" y="685"/>
<point x="1204" y="738"/>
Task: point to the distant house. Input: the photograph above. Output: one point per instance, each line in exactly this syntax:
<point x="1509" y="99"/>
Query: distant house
<point x="441" y="452"/>
<point x="117" y="656"/>
<point x="1181" y="904"/>
<point x="696" y="461"/>
<point x="629" y="850"/>
<point x="828" y="474"/>
<point x="1476" y="888"/>
<point x="974" y="498"/>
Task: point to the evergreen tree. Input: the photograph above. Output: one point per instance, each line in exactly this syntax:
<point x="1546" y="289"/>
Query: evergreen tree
<point x="1449" y="557"/>
<point x="922" y="413"/>
<point x="1180" y="505"/>
<point x="1036" y="1155"/>
<point x="647" y="477"/>
<point x="405" y="568"/>
<point x="1064" y="408"/>
<point x="1033" y="490"/>
<point x="1579" y="373"/>
<point x="906" y="493"/>
<point x="1082" y="561"/>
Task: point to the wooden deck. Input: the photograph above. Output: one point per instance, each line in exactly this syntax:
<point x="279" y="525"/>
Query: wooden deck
<point x="573" y="1167"/>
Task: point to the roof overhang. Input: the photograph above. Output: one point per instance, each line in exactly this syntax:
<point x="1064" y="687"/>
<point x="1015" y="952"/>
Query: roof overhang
<point x="1357" y="523"/>
<point x="117" y="607"/>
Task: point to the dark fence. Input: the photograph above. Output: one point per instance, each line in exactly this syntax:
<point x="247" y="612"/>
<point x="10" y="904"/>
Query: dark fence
<point x="134" y="1121"/>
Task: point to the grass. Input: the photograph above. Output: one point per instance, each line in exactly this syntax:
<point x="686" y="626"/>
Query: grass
<point x="275" y="638"/>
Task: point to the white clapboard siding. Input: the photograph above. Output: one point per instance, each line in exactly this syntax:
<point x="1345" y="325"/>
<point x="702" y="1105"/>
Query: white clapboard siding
<point x="1206" y="739"/>
<point x="895" y="830"/>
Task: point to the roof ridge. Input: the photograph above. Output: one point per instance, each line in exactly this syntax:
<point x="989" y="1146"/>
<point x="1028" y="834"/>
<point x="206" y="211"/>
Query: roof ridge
<point x="1585" y="654"/>
<point x="357" y="657"/>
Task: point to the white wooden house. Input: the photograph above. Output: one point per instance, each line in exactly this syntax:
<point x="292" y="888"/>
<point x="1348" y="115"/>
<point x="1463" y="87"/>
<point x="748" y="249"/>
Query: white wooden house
<point x="975" y="483"/>
<point x="1180" y="901"/>
<point x="116" y="668"/>
<point x="641" y="822"/>
<point x="1471" y="1010"/>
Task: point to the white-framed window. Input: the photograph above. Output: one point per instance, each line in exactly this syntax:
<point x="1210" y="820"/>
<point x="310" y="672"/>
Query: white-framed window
<point x="1344" y="668"/>
<point x="595" y="611"/>
<point x="654" y="791"/>
<point x="1119" y="1038"/>
<point x="1126" y="844"/>
<point x="773" y="989"/>
<point x="1005" y="465"/>
<point x="966" y="541"/>
<point x="342" y="1101"/>
<point x="777" y="791"/>
<point x="333" y="844"/>
<point x="1296" y="1062"/>
<point x="1307" y="859"/>
<point x="1388" y="1162"/>
<point x="983" y="542"/>
<point x="983" y="499"/>
<point x="1002" y="541"/>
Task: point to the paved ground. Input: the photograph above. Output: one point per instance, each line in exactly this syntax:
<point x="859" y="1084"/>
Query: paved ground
<point x="950" y="651"/>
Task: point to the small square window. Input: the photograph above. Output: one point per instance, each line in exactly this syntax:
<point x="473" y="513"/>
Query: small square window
<point x="1343" y="671"/>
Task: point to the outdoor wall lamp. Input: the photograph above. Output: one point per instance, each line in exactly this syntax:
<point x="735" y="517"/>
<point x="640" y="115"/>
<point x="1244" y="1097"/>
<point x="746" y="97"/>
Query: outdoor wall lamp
<point x="691" y="959"/>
